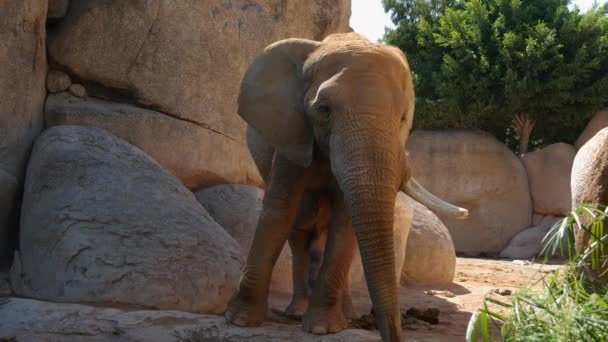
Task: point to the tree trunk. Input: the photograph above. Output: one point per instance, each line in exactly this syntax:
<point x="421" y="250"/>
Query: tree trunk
<point x="523" y="124"/>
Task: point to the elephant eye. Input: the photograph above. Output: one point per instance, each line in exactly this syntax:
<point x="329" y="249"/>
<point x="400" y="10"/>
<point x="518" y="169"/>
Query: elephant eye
<point x="323" y="109"/>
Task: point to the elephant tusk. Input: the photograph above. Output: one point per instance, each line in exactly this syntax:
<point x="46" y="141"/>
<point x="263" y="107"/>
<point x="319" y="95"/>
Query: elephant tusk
<point x="422" y="195"/>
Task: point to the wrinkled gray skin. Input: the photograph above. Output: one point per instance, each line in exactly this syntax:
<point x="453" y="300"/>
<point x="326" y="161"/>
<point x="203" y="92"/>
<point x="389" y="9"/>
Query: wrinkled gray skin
<point x="337" y="114"/>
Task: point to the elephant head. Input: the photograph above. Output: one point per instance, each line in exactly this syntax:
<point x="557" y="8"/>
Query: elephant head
<point x="351" y="102"/>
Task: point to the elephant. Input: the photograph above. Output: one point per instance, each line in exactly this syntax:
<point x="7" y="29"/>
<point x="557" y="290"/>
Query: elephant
<point x="337" y="114"/>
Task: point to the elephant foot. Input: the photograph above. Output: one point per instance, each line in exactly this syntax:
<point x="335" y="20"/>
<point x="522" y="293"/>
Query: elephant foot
<point x="321" y="321"/>
<point x="246" y="312"/>
<point x="297" y="308"/>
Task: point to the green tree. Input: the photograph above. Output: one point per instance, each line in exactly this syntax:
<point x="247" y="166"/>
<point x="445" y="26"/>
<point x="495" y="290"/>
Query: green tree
<point x="490" y="64"/>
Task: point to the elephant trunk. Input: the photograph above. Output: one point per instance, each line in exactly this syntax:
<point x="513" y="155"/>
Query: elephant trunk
<point x="369" y="175"/>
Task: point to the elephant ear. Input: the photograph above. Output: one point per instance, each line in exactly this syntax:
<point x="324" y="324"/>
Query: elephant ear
<point x="271" y="98"/>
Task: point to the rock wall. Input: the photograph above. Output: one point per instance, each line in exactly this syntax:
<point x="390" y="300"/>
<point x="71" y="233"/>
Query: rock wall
<point x="22" y="92"/>
<point x="184" y="60"/>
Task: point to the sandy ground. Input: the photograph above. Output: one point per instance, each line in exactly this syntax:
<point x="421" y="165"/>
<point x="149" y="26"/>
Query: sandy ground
<point x="474" y="280"/>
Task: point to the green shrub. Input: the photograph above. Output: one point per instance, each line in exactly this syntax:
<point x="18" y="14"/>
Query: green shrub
<point x="570" y="307"/>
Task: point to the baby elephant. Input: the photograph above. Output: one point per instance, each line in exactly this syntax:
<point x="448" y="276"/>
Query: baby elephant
<point x="307" y="242"/>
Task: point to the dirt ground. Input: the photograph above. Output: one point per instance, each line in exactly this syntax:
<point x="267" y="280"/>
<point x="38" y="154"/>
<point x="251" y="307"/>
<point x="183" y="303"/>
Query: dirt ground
<point x="474" y="280"/>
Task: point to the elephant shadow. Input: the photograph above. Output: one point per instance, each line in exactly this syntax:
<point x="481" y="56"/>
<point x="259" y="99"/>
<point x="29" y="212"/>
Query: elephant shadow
<point x="453" y="319"/>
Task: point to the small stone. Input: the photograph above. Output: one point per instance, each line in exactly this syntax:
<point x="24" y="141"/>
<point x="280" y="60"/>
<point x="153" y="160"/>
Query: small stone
<point x="57" y="81"/>
<point x="505" y="292"/>
<point x="78" y="90"/>
<point x="443" y="293"/>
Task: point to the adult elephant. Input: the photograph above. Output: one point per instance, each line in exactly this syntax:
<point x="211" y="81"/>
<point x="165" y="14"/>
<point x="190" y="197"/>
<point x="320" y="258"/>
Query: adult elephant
<point x="338" y="114"/>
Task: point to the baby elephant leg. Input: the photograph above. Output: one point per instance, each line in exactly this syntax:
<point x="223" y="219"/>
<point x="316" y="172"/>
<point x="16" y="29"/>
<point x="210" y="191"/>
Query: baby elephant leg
<point x="298" y="242"/>
<point x="325" y="312"/>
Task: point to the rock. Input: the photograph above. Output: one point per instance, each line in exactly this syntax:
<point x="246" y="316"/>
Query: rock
<point x="22" y="93"/>
<point x="430" y="258"/>
<point x="589" y="181"/>
<point x="77" y="90"/>
<point x="472" y="169"/>
<point x="31" y="320"/>
<point x="185" y="59"/>
<point x="544" y="220"/>
<point x="529" y="243"/>
<point x="597" y="122"/>
<point x="237" y="208"/>
<point x="549" y="178"/>
<point x="401" y="229"/>
<point x="5" y="286"/>
<point x="57" y="81"/>
<point x="8" y="194"/>
<point x="103" y="223"/>
<point x="194" y="154"/>
<point x="57" y="9"/>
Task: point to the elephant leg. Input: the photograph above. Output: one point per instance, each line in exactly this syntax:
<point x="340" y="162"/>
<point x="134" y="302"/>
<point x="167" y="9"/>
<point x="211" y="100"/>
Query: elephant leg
<point x="325" y="311"/>
<point x="316" y="251"/>
<point x="298" y="242"/>
<point x="248" y="306"/>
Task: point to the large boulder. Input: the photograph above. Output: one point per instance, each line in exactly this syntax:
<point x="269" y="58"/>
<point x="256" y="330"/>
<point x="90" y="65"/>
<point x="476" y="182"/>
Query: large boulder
<point x="22" y="92"/>
<point x="103" y="222"/>
<point x="590" y="180"/>
<point x="32" y="320"/>
<point x="184" y="58"/>
<point x="529" y="243"/>
<point x="549" y="178"/>
<point x="237" y="208"/>
<point x="597" y="122"/>
<point x="196" y="156"/>
<point x="472" y="169"/>
<point x="430" y="258"/>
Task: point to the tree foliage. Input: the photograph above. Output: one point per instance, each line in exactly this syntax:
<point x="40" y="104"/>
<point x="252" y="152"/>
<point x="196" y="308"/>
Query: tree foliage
<point x="478" y="62"/>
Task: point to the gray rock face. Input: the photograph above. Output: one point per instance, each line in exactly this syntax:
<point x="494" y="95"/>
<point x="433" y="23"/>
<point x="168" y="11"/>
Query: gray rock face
<point x="22" y="92"/>
<point x="193" y="154"/>
<point x="549" y="178"/>
<point x="472" y="169"/>
<point x="103" y="222"/>
<point x="237" y="208"/>
<point x="529" y="243"/>
<point x="430" y="258"/>
<point x="184" y="58"/>
<point x="31" y="320"/>
<point x="5" y="285"/>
